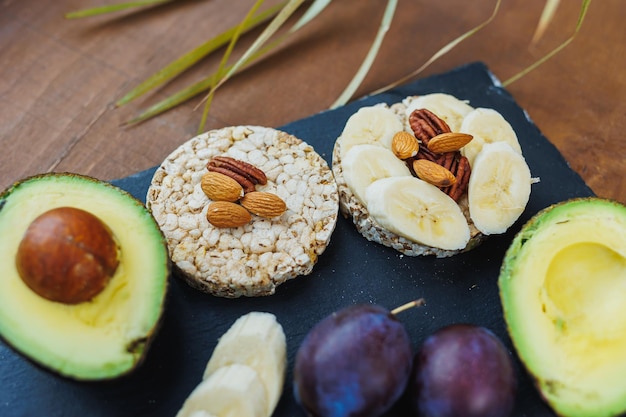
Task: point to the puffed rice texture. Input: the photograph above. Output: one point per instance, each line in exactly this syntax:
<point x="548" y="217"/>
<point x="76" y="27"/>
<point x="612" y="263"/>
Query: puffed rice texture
<point x="251" y="260"/>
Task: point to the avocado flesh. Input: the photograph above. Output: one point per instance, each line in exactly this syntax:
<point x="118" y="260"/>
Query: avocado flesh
<point x="563" y="286"/>
<point x="107" y="336"/>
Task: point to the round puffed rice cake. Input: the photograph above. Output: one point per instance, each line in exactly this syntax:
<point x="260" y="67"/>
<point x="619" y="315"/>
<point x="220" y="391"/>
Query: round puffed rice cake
<point x="369" y="228"/>
<point x="251" y="260"/>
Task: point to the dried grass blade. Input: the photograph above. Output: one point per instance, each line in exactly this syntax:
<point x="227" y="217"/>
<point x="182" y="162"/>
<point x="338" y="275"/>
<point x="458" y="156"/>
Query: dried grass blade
<point x="447" y="48"/>
<point x="311" y="13"/>
<point x="191" y="91"/>
<point x="187" y="60"/>
<point x="224" y="61"/>
<point x="581" y="17"/>
<point x="274" y="25"/>
<point x="546" y="17"/>
<point x="173" y="100"/>
<point x="371" y="55"/>
<point x="94" y="11"/>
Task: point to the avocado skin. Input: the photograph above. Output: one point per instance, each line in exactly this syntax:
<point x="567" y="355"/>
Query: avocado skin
<point x="139" y="346"/>
<point x="558" y="213"/>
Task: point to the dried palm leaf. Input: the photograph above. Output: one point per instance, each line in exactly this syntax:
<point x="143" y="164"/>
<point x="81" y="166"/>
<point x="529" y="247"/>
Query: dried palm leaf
<point x="189" y="59"/>
<point x="370" y="57"/>
<point x="441" y="52"/>
<point x="260" y="47"/>
<point x="581" y="17"/>
<point x="95" y="11"/>
<point x="221" y="70"/>
<point x="546" y="17"/>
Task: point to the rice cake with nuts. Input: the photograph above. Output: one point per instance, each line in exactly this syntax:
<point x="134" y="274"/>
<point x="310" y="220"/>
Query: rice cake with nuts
<point x="351" y="207"/>
<point x="253" y="259"/>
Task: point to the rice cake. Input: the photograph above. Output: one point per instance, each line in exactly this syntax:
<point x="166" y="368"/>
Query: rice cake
<point x="368" y="227"/>
<point x="251" y="260"/>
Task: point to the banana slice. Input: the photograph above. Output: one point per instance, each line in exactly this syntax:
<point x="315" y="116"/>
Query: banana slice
<point x="445" y="106"/>
<point x="486" y="126"/>
<point x="499" y="188"/>
<point x="231" y="391"/>
<point x="364" y="164"/>
<point x="370" y="125"/>
<point x="418" y="211"/>
<point x="256" y="340"/>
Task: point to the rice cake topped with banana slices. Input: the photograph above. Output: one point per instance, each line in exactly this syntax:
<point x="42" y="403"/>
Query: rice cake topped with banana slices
<point x="430" y="175"/>
<point x="254" y="258"/>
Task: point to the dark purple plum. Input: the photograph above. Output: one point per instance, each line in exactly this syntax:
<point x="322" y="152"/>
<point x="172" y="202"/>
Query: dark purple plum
<point x="355" y="362"/>
<point x="462" y="370"/>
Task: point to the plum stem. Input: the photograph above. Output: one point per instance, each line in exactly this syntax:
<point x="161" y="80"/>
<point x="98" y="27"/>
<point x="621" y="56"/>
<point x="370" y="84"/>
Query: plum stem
<point x="410" y="304"/>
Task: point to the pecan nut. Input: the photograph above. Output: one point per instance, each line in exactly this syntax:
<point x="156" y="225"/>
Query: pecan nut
<point x="426" y="125"/>
<point x="247" y="175"/>
<point x="246" y="184"/>
<point x="462" y="173"/>
<point x="249" y="171"/>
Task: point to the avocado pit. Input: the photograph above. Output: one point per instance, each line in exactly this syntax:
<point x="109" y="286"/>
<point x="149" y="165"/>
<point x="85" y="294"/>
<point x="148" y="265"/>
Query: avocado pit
<point x="67" y="255"/>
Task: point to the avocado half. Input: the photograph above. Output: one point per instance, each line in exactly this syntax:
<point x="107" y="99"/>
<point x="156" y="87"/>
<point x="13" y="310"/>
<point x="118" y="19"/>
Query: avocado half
<point x="563" y="292"/>
<point x="107" y="336"/>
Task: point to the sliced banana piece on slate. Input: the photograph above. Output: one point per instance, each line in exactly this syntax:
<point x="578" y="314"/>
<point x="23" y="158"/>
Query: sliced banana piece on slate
<point x="231" y="391"/>
<point x="245" y="374"/>
<point x="257" y="340"/>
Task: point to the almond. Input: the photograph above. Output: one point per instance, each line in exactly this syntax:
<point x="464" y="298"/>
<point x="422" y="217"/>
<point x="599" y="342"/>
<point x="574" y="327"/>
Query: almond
<point x="404" y="145"/>
<point x="448" y="142"/>
<point x="220" y="187"/>
<point x="263" y="204"/>
<point x="433" y="173"/>
<point x="227" y="214"/>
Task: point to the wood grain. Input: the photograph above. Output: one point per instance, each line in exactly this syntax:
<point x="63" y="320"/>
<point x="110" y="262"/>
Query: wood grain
<point x="60" y="79"/>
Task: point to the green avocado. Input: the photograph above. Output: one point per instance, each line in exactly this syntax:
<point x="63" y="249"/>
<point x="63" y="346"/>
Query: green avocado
<point x="563" y="292"/>
<point x="108" y="335"/>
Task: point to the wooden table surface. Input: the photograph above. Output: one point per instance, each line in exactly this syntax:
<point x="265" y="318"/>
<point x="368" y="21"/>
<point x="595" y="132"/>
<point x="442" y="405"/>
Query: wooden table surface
<point x="60" y="79"/>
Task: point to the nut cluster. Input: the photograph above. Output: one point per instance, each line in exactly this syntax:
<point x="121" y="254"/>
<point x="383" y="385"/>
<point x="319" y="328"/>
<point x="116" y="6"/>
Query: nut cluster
<point x="247" y="175"/>
<point x="433" y="153"/>
<point x="231" y="184"/>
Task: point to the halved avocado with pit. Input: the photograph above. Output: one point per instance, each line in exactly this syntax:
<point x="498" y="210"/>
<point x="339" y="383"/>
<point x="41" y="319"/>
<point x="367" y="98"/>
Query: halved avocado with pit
<point x="107" y="334"/>
<point x="563" y="292"/>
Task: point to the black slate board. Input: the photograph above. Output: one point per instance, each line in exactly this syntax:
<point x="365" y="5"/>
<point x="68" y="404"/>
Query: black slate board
<point x="352" y="270"/>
